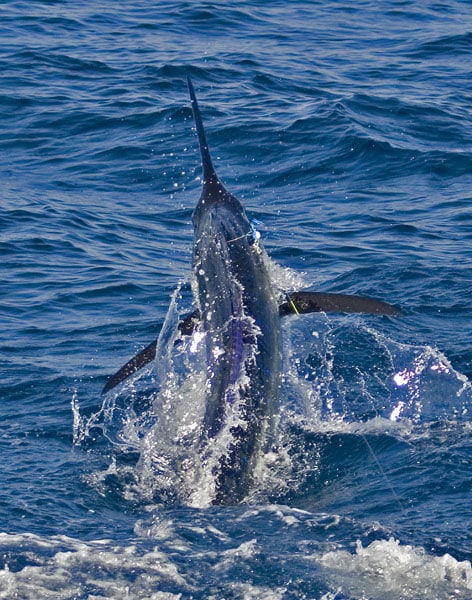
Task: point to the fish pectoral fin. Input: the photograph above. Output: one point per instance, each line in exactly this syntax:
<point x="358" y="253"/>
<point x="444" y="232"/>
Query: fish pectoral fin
<point x="307" y="302"/>
<point x="186" y="327"/>
<point x="187" y="324"/>
<point x="132" y="366"/>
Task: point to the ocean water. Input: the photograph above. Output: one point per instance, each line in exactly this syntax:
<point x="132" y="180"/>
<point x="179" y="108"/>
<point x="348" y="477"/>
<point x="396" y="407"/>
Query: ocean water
<point x="345" y="128"/>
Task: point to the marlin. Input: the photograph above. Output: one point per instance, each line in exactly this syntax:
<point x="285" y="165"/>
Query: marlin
<point x="238" y="314"/>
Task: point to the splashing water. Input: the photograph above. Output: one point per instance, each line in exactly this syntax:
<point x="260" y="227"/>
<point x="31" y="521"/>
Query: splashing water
<point x="324" y="389"/>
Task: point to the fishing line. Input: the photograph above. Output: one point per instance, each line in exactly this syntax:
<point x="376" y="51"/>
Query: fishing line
<point x="256" y="236"/>
<point x="383" y="473"/>
<point x="292" y="304"/>
<point x="364" y="437"/>
<point x="253" y="232"/>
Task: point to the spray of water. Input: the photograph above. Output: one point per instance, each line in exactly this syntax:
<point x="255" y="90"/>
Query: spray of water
<point x="338" y="376"/>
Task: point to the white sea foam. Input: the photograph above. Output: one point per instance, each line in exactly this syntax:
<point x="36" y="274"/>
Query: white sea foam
<point x="388" y="570"/>
<point x="61" y="567"/>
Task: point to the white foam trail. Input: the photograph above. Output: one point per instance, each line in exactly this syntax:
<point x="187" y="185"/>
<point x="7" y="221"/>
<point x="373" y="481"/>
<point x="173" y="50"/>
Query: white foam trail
<point x="387" y="570"/>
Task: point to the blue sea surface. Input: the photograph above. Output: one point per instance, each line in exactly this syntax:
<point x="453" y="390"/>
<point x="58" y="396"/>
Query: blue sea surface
<point x="345" y="128"/>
